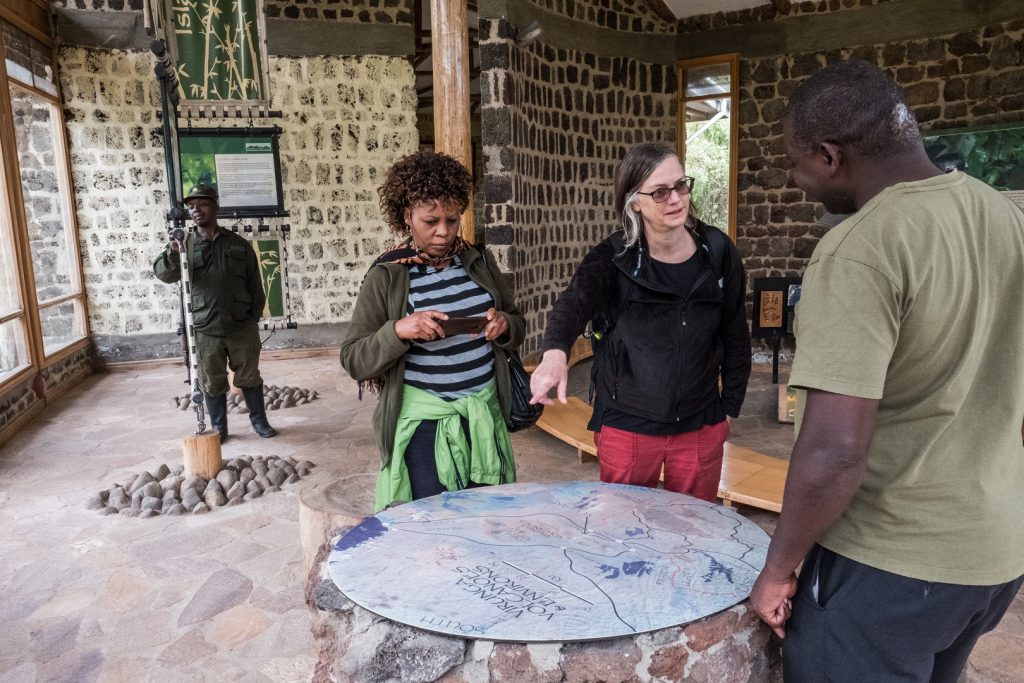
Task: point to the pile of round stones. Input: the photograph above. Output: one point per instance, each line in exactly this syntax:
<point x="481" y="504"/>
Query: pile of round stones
<point x="276" y="398"/>
<point x="167" y="492"/>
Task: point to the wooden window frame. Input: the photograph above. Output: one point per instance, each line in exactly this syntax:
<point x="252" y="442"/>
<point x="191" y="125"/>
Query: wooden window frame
<point x="733" y="59"/>
<point x="34" y="18"/>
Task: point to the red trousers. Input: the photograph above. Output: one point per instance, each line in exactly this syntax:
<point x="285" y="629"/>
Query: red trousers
<point x="692" y="460"/>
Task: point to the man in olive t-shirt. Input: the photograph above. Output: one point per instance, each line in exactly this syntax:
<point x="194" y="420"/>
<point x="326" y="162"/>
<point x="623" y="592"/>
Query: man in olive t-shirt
<point x="904" y="480"/>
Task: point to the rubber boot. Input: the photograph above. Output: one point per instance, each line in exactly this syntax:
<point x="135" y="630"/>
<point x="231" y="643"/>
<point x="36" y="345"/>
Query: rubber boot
<point x="258" y="412"/>
<point x="217" y="409"/>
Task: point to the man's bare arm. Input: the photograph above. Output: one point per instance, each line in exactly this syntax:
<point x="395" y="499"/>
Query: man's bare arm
<point x="828" y="463"/>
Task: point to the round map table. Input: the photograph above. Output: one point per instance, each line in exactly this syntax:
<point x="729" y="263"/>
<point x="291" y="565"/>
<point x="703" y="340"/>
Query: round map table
<point x="549" y="562"/>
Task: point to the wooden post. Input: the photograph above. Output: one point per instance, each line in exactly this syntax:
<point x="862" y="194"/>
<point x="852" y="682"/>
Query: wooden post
<point x="449" y="51"/>
<point x="202" y="454"/>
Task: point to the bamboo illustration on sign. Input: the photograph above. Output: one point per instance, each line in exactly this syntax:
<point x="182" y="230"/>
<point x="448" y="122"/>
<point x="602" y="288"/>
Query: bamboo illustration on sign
<point x="268" y="254"/>
<point x="218" y="49"/>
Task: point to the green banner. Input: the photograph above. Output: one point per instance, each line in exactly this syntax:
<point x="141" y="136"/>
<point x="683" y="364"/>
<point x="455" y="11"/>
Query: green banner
<point x="268" y="253"/>
<point x="219" y="50"/>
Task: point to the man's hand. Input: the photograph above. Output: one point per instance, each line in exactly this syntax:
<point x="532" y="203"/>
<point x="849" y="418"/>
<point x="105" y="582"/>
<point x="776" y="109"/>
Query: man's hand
<point x="174" y="246"/>
<point x="772" y="601"/>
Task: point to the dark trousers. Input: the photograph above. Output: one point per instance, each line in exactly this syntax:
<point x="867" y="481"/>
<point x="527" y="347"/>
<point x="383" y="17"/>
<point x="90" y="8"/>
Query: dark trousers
<point x="421" y="462"/>
<point x="854" y="623"/>
<point x="240" y="351"/>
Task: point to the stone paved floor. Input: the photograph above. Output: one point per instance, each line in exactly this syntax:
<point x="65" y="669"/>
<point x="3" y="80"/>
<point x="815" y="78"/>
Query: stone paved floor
<point x="219" y="597"/>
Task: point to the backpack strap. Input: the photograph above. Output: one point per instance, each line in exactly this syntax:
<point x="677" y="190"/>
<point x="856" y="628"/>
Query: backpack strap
<point x="714" y="242"/>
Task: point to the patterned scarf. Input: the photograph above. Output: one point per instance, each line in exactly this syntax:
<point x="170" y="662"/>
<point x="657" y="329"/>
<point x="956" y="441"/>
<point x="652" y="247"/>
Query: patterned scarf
<point x="406" y="254"/>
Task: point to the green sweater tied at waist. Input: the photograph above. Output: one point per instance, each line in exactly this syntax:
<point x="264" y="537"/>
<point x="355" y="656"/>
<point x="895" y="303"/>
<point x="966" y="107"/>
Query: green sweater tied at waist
<point x="485" y="458"/>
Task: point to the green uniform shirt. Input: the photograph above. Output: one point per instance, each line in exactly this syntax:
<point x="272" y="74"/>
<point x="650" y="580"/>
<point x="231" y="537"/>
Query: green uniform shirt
<point x="916" y="300"/>
<point x="227" y="293"/>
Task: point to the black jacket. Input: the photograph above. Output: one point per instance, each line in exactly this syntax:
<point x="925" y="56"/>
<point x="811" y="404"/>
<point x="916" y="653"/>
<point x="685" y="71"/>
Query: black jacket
<point x="660" y="355"/>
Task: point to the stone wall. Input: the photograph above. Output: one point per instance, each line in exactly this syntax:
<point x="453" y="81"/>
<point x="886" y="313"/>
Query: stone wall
<point x="15" y="401"/>
<point x="621" y="15"/>
<point x="951" y="81"/>
<point x="345" y="120"/>
<point x="107" y="5"/>
<point x="554" y="123"/>
<point x="770" y="12"/>
<point x="355" y="11"/>
<point x="54" y="379"/>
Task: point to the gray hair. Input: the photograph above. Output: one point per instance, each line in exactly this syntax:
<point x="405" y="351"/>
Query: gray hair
<point x="630" y="174"/>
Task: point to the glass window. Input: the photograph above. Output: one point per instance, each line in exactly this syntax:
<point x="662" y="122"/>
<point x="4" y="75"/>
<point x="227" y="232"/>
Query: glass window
<point x="61" y="325"/>
<point x="13" y="348"/>
<point x="713" y="79"/>
<point x="47" y="214"/>
<point x="10" y="295"/>
<point x="28" y="60"/>
<point x="707" y="136"/>
<point x="42" y="305"/>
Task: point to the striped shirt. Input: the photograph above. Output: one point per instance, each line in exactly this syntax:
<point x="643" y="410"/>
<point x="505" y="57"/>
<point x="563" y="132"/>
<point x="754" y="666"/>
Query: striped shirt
<point x="454" y="366"/>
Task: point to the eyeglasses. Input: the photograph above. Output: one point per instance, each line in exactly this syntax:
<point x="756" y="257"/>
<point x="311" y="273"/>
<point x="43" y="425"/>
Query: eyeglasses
<point x="682" y="188"/>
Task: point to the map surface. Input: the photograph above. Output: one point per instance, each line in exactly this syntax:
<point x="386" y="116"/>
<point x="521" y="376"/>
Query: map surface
<point x="550" y="562"/>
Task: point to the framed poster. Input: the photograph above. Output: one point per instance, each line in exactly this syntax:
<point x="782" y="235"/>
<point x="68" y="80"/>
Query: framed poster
<point x="993" y="154"/>
<point x="243" y="164"/>
<point x="774" y="303"/>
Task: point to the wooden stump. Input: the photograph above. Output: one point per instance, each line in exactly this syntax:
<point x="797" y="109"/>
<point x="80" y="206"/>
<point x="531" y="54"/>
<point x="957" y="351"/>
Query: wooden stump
<point x="202" y="454"/>
<point x="326" y="508"/>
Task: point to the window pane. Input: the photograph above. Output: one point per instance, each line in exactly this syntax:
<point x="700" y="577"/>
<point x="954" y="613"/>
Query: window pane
<point x="13" y="353"/>
<point x="707" y="159"/>
<point x="712" y="79"/>
<point x="46" y="213"/>
<point x="62" y="324"/>
<point x="10" y="297"/>
<point x="28" y="60"/>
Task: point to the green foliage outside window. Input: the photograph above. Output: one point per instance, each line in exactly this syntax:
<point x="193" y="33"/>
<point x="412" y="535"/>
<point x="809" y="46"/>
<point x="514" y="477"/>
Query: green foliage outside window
<point x="707" y="160"/>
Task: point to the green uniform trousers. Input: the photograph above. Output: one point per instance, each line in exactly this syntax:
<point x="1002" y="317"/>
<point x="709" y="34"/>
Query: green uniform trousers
<point x="240" y="351"/>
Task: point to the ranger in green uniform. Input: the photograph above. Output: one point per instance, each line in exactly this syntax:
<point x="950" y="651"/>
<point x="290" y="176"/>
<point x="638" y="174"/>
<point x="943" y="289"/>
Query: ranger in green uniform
<point x="227" y="301"/>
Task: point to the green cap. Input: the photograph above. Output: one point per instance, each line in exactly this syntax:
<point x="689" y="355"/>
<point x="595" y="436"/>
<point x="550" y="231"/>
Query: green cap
<point x="202" y="190"/>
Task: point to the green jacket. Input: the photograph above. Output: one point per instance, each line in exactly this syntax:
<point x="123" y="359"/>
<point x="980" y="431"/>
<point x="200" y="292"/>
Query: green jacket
<point x="227" y="292"/>
<point x="371" y="348"/>
<point x="484" y="458"/>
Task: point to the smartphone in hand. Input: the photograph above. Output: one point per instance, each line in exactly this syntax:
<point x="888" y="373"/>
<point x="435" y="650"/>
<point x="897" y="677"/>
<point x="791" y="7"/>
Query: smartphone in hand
<point x="454" y="326"/>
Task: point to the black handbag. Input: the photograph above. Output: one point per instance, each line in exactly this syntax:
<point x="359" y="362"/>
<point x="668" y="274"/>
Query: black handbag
<point x="523" y="415"/>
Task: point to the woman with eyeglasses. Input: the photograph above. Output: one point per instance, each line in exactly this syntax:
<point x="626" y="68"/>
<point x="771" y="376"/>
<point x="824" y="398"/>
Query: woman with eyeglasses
<point x="665" y="299"/>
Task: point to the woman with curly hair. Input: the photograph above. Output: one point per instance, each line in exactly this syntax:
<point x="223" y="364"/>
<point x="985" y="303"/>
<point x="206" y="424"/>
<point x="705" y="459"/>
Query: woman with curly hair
<point x="444" y="397"/>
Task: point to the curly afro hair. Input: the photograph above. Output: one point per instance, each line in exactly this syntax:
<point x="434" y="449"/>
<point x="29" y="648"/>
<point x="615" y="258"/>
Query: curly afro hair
<point x="422" y="177"/>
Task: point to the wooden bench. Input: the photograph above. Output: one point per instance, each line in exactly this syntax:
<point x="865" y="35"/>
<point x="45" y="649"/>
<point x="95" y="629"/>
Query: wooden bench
<point x="748" y="477"/>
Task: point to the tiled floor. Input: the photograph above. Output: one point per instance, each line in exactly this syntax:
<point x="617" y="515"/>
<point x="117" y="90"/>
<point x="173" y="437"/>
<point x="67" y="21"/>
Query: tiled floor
<point x="219" y="597"/>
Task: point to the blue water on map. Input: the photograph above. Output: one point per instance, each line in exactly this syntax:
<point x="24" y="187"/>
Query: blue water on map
<point x="716" y="567"/>
<point x="638" y="568"/>
<point x="369" y="529"/>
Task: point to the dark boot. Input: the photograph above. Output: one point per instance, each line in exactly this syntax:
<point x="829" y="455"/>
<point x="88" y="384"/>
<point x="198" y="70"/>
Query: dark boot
<point x="217" y="409"/>
<point x="258" y="412"/>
